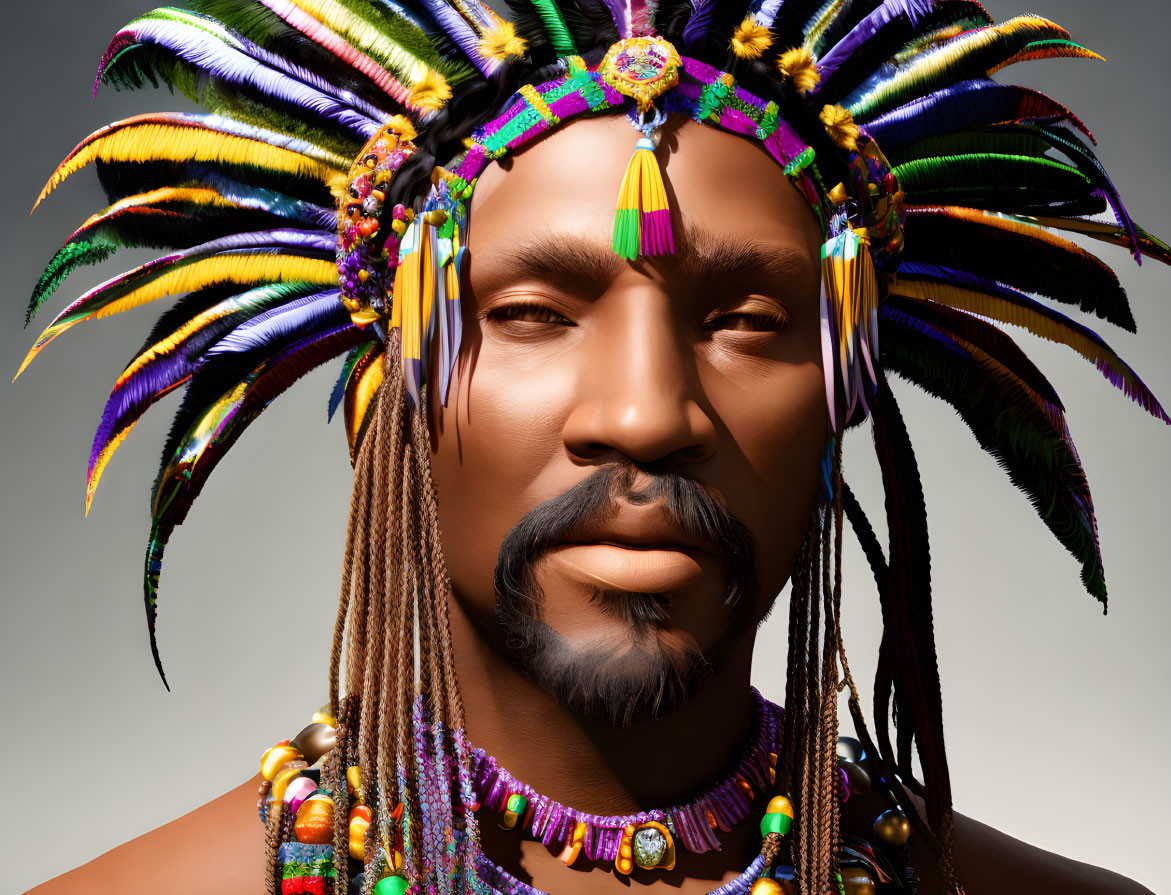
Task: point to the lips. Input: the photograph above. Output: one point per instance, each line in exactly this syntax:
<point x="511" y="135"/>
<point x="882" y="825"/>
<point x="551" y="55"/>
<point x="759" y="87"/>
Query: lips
<point x="651" y="570"/>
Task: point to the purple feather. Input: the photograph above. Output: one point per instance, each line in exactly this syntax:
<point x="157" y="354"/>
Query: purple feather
<point x="240" y="62"/>
<point x="262" y="241"/>
<point x="1113" y="367"/>
<point x="280" y="326"/>
<point x="865" y="30"/>
<point x="766" y="11"/>
<point x="456" y="28"/>
<point x="963" y="106"/>
<point x="695" y="33"/>
<point x="170" y="368"/>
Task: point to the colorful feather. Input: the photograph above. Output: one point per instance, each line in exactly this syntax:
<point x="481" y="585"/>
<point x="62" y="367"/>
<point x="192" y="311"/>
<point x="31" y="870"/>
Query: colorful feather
<point x="1033" y="446"/>
<point x="993" y="181"/>
<point x="209" y="437"/>
<point x="169" y="362"/>
<point x="1025" y="256"/>
<point x="251" y="258"/>
<point x="977" y="295"/>
<point x="968" y="104"/>
<point x="337" y="396"/>
<point x="187" y="138"/>
<point x="209" y="46"/>
<point x="974" y="54"/>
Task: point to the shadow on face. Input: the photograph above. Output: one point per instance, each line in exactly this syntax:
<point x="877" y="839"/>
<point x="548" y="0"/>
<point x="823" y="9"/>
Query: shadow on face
<point x="701" y="367"/>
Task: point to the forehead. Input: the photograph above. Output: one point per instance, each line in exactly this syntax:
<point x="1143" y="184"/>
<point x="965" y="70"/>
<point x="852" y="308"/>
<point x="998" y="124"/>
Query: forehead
<point x="719" y="185"/>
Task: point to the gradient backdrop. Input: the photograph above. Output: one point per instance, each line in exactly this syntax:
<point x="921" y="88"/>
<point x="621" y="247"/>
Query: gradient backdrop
<point x="1056" y="716"/>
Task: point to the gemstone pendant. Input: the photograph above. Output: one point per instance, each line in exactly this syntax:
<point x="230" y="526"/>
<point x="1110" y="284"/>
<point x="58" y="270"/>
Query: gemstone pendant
<point x="649" y="846"/>
<point x="642" y="68"/>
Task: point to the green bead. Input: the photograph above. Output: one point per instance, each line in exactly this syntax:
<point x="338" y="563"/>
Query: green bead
<point x="775" y="823"/>
<point x="390" y="885"/>
<point x="517" y="804"/>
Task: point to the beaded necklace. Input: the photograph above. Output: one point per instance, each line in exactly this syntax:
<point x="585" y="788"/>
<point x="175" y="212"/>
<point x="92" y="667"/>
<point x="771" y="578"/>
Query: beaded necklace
<point x="645" y="840"/>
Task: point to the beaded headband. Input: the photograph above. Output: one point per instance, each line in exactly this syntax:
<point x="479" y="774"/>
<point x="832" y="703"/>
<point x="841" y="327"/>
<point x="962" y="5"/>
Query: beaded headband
<point x="399" y="270"/>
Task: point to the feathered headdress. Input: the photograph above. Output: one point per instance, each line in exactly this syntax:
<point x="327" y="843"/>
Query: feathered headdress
<point x="305" y="217"/>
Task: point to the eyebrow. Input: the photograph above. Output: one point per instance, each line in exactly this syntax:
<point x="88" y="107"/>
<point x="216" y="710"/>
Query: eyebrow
<point x="703" y="255"/>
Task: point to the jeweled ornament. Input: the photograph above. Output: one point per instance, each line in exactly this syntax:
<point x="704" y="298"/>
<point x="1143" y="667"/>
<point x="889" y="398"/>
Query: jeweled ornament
<point x="642" y="68"/>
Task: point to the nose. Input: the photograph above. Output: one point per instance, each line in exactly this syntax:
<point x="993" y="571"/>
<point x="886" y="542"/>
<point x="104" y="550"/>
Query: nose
<point x="640" y="394"/>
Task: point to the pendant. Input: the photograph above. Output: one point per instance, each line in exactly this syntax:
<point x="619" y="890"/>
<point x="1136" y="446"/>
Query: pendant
<point x="648" y="845"/>
<point x="642" y="68"/>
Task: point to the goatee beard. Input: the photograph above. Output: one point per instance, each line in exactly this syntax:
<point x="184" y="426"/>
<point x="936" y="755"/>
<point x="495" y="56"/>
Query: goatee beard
<point x="656" y="668"/>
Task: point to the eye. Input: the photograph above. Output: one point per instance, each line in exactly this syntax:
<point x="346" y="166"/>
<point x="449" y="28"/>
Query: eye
<point x="528" y="312"/>
<point x="756" y="316"/>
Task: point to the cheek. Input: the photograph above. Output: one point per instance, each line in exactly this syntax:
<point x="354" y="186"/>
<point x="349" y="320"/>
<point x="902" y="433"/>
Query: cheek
<point x="777" y="428"/>
<point x="494" y="459"/>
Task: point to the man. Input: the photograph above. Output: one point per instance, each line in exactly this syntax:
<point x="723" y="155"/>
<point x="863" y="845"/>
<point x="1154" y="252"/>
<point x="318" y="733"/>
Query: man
<point x="630" y="627"/>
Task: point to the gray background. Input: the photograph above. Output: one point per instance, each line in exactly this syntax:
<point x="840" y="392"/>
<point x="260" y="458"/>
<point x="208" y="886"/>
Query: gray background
<point x="1056" y="717"/>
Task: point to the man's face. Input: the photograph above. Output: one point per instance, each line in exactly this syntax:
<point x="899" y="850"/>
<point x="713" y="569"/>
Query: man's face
<point x="685" y="384"/>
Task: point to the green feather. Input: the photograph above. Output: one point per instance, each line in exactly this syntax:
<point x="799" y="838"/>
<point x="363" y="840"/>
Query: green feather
<point x="990" y="180"/>
<point x="1027" y="437"/>
<point x="68" y="259"/>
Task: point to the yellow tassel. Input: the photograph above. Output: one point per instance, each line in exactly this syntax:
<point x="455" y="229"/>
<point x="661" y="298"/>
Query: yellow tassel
<point x="430" y="92"/>
<point x="501" y="42"/>
<point x="840" y="126"/>
<point x="797" y="64"/>
<point x="751" y="39"/>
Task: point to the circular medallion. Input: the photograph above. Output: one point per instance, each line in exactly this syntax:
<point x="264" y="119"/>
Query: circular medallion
<point x="642" y="68"/>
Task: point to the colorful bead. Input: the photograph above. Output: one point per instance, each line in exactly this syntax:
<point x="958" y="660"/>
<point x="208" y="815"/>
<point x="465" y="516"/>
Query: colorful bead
<point x="573" y="846"/>
<point x="276" y="758"/>
<point x="284" y="777"/>
<point x="514" y="810"/>
<point x="766" y="886"/>
<point x="624" y="860"/>
<point x="390" y="885"/>
<point x="775" y="823"/>
<point x="314" y="824"/>
<point x="298" y="790"/>
<point x="653" y="846"/>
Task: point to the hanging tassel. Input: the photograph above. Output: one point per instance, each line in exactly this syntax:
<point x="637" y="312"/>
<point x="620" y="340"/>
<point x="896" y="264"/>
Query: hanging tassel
<point x="648" y="231"/>
<point x="849" y="324"/>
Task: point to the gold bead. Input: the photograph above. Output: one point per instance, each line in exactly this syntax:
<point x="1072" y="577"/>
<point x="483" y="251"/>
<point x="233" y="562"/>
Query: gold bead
<point x="857" y="881"/>
<point x="893" y="828"/>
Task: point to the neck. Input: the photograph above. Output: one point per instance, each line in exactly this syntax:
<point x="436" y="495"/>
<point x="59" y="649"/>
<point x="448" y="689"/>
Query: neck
<point x="588" y="763"/>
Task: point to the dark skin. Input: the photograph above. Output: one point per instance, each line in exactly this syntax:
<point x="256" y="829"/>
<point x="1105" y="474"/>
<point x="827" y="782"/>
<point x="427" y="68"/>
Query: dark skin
<point x="706" y="364"/>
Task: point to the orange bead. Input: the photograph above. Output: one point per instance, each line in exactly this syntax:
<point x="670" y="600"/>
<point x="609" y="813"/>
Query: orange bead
<point x="314" y="824"/>
<point x="362" y="811"/>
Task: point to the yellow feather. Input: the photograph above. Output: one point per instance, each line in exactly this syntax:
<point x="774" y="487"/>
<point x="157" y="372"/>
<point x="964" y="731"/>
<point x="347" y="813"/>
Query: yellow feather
<point x="1054" y="52"/>
<point x="95" y="476"/>
<point x="995" y="308"/>
<point x="927" y="72"/>
<point x="152" y="141"/>
<point x="798" y="65"/>
<point x="751" y="39"/>
<point x="247" y="269"/>
<point x="360" y="392"/>
<point x="840" y="126"/>
<point x="814" y="34"/>
<point x="430" y="92"/>
<point x="501" y="42"/>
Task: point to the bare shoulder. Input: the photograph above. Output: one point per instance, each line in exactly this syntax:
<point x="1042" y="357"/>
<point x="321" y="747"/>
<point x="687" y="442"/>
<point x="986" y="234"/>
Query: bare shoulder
<point x="993" y="863"/>
<point x="218" y="847"/>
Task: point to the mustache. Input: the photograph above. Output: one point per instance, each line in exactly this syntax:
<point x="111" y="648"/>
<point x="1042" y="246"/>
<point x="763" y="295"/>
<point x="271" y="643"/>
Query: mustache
<point x="694" y="507"/>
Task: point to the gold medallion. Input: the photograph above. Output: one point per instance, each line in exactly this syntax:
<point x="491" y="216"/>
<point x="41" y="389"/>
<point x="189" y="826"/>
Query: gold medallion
<point x="642" y="68"/>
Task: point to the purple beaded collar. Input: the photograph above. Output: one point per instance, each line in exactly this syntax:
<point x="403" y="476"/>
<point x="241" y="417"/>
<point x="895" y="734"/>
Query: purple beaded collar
<point x="693" y="823"/>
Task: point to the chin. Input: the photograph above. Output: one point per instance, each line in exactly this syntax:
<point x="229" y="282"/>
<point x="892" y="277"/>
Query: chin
<point x="649" y="672"/>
